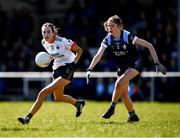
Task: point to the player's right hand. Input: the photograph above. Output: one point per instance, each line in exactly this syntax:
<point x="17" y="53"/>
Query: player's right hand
<point x="88" y="75"/>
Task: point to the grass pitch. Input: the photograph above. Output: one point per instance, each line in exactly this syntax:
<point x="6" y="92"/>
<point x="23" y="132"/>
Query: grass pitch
<point x="58" y="120"/>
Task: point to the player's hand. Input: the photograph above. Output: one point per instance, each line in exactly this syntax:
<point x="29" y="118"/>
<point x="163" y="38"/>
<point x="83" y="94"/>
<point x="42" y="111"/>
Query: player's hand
<point x="160" y="68"/>
<point x="88" y="75"/>
<point x="51" y="57"/>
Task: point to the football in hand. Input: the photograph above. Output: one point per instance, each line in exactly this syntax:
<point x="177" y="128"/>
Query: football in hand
<point x="43" y="59"/>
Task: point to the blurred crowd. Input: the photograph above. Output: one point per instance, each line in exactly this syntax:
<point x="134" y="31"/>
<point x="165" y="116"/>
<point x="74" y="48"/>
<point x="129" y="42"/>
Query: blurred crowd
<point x="83" y="23"/>
<point x="20" y="33"/>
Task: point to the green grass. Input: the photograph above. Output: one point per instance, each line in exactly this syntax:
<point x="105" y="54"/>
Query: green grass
<point x="58" y="120"/>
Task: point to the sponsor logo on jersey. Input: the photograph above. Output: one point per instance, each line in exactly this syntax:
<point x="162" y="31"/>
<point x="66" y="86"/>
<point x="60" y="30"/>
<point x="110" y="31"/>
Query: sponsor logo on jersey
<point x="120" y="53"/>
<point x="57" y="55"/>
<point x="124" y="46"/>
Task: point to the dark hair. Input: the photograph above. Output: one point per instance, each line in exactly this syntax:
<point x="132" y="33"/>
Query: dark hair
<point x="53" y="28"/>
<point x="116" y="19"/>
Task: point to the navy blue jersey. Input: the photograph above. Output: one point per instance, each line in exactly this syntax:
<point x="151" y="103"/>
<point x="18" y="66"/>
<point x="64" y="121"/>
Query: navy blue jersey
<point x="123" y="49"/>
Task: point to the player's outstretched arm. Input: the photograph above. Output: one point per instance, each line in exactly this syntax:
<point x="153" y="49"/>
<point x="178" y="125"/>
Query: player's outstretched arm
<point x="78" y="52"/>
<point x="159" y="67"/>
<point x="94" y="61"/>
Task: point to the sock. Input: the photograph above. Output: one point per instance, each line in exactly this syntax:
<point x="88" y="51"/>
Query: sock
<point x="29" y="116"/>
<point x="132" y="113"/>
<point x="113" y="104"/>
<point x="77" y="104"/>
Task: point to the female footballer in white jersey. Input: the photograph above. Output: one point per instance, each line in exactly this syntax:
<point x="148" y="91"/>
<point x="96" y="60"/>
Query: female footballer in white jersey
<point x="121" y="45"/>
<point x="62" y="51"/>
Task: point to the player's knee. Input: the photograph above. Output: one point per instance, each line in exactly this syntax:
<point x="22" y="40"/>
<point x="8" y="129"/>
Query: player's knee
<point x="118" y="85"/>
<point x="42" y="94"/>
<point x="58" y="99"/>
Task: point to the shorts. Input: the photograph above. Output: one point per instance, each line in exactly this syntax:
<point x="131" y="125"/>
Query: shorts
<point x="137" y="65"/>
<point x="66" y="72"/>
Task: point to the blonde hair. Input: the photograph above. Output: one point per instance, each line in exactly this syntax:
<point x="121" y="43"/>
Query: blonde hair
<point x="116" y="19"/>
<point x="52" y="26"/>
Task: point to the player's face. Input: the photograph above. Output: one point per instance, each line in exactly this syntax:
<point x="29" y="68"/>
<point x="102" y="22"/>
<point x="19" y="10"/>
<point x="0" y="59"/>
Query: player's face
<point x="47" y="34"/>
<point x="113" y="28"/>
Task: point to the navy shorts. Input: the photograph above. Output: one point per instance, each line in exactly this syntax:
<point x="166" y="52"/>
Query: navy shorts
<point x="66" y="72"/>
<point x="137" y="65"/>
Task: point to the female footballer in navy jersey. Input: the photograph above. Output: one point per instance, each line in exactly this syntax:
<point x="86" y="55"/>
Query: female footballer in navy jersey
<point x="62" y="51"/>
<point x="122" y="46"/>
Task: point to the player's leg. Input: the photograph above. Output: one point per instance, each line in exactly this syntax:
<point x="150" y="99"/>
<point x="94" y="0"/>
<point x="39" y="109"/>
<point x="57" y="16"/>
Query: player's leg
<point x="41" y="96"/>
<point x="59" y="96"/>
<point x="59" y="93"/>
<point x="126" y="99"/>
<point x="120" y="86"/>
<point x="129" y="105"/>
<point x="67" y="73"/>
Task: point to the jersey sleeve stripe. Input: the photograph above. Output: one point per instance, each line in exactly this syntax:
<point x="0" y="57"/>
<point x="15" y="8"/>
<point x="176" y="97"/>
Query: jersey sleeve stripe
<point x="104" y="45"/>
<point x="73" y="45"/>
<point x="134" y="40"/>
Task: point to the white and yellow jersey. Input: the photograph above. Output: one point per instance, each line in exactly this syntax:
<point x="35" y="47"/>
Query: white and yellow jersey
<point x="60" y="50"/>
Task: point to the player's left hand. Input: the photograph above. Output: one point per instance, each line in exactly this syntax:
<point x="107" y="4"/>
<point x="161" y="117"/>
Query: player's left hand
<point x="160" y="68"/>
<point x="88" y="75"/>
